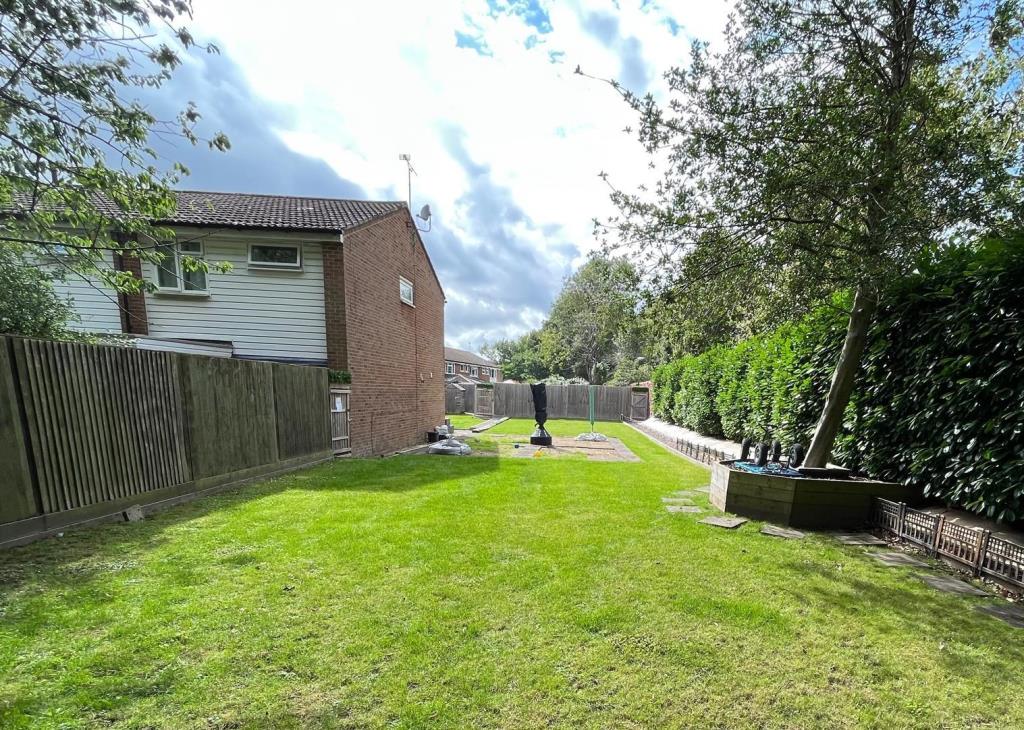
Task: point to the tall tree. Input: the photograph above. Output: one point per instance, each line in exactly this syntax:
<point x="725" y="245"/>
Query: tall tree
<point x="519" y="357"/>
<point x="76" y="164"/>
<point x="580" y="336"/>
<point x="830" y="142"/>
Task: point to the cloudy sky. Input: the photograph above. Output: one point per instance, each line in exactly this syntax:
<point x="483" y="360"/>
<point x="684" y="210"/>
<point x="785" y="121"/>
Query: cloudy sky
<point x="319" y="97"/>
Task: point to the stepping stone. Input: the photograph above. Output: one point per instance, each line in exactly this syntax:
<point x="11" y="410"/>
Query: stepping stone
<point x="684" y="493"/>
<point x="704" y="490"/>
<point x="689" y="509"/>
<point x="729" y="523"/>
<point x="676" y="500"/>
<point x="857" y="538"/>
<point x="896" y="560"/>
<point x="1010" y="613"/>
<point x="786" y="532"/>
<point x="949" y="584"/>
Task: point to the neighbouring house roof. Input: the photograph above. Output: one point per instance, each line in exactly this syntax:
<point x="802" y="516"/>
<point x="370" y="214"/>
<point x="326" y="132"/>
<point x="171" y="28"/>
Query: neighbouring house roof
<point x="276" y="212"/>
<point x="453" y="354"/>
<point x="256" y="211"/>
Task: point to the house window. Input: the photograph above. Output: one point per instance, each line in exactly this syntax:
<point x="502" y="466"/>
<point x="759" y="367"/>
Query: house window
<point x="449" y="368"/>
<point x="473" y="371"/>
<point x="173" y="274"/>
<point x="463" y="368"/>
<point x="275" y="256"/>
<point x="405" y="291"/>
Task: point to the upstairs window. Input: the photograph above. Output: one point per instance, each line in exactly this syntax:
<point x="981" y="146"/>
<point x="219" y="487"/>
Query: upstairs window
<point x="275" y="256"/>
<point x="405" y="291"/>
<point x="173" y="274"/>
<point x="473" y="371"/>
<point x="449" y="368"/>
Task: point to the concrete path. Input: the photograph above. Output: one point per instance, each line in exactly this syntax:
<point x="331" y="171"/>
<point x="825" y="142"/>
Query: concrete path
<point x="730" y="448"/>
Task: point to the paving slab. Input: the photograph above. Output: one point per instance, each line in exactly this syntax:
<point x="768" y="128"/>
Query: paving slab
<point x="949" y="584"/>
<point x="686" y="508"/>
<point x="729" y="523"/>
<point x="704" y="490"/>
<point x="489" y="423"/>
<point x="785" y="532"/>
<point x="677" y="500"/>
<point x="896" y="559"/>
<point x="1010" y="613"/>
<point x="685" y="493"/>
<point x="857" y="538"/>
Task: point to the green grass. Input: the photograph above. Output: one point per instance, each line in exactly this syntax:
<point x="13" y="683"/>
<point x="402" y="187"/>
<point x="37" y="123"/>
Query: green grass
<point x="464" y="420"/>
<point x="439" y="591"/>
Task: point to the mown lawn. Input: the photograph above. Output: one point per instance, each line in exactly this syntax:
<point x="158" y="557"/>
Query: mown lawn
<point x="464" y="420"/>
<point x="440" y="591"/>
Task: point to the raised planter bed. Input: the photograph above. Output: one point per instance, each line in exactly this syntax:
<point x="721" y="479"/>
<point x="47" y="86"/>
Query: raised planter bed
<point x="800" y="501"/>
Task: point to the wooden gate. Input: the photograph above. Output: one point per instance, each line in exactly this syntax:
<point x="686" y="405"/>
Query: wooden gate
<point x="639" y="402"/>
<point x="340" y="440"/>
<point x="484" y="400"/>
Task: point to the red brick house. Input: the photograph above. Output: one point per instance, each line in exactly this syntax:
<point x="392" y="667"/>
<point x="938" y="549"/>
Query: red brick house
<point x="345" y="284"/>
<point x="462" y="366"/>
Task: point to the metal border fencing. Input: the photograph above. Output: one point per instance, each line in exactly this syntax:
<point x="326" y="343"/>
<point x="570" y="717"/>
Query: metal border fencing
<point x="977" y="549"/>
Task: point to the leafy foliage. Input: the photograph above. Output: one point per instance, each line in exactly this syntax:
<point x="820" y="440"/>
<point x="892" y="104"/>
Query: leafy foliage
<point x="939" y="398"/>
<point x="76" y="165"/>
<point x="823" y="147"/>
<point x="28" y="304"/>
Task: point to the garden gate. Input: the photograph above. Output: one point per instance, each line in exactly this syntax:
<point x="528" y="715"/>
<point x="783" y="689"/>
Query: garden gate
<point x="639" y="404"/>
<point x="340" y="441"/>
<point x="484" y="400"/>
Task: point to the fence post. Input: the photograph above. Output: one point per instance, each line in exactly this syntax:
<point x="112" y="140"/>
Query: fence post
<point x="901" y="519"/>
<point x="938" y="535"/>
<point x="982" y="547"/>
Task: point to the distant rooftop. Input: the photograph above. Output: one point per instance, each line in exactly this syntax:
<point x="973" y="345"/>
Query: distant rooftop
<point x="453" y="354"/>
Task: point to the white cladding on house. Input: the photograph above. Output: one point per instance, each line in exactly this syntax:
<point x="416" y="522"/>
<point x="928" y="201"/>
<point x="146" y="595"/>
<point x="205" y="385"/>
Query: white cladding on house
<point x="96" y="307"/>
<point x="264" y="313"/>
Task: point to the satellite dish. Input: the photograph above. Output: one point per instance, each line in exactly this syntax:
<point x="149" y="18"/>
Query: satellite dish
<point x="425" y="213"/>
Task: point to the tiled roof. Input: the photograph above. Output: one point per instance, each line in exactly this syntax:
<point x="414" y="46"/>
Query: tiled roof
<point x="453" y="354"/>
<point x="269" y="212"/>
<point x="276" y="212"/>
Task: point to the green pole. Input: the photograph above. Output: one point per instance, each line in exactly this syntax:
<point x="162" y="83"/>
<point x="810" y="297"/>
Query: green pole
<point x="591" y="410"/>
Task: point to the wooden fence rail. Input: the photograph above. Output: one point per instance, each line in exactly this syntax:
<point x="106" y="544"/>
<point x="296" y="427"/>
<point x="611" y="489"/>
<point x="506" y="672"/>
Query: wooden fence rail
<point x="87" y="429"/>
<point x="975" y="548"/>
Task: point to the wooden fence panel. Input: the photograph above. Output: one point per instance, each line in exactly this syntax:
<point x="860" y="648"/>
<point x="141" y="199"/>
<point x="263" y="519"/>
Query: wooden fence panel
<point x="17" y="499"/>
<point x="301" y="409"/>
<point x="103" y="421"/>
<point x="231" y="419"/>
<point x="454" y="399"/>
<point x="611" y="403"/>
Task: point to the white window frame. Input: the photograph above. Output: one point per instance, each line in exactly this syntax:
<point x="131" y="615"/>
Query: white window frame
<point x="411" y="300"/>
<point x="449" y="368"/>
<point x="473" y="371"/>
<point x="179" y="288"/>
<point x="297" y="266"/>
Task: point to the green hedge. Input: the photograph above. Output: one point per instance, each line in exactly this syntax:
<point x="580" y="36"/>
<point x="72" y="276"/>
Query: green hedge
<point x="940" y="397"/>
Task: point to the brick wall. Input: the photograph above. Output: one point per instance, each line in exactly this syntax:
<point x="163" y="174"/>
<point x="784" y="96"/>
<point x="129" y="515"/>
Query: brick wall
<point x="334" y="306"/>
<point x="395" y="352"/>
<point x="133" y="306"/>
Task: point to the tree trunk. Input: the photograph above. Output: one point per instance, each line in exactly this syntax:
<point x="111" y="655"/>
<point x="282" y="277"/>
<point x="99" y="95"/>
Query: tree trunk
<point x="864" y="306"/>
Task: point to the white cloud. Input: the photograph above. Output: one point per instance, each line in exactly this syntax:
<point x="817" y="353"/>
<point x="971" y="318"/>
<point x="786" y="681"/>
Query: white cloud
<point x="367" y="81"/>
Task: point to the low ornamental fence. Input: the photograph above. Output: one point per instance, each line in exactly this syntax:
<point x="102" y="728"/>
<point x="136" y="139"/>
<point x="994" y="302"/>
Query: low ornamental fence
<point x="696" y="451"/>
<point x="979" y="550"/>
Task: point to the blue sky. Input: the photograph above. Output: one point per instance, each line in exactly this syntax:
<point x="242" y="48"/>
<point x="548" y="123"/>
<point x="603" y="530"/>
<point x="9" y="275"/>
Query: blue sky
<point x="506" y="140"/>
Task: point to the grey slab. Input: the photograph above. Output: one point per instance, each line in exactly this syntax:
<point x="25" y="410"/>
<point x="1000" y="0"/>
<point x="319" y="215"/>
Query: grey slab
<point x="705" y="490"/>
<point x="685" y="493"/>
<point x="857" y="538"/>
<point x="728" y="523"/>
<point x="1010" y="613"/>
<point x="677" y="500"/>
<point x="134" y="514"/>
<point x="689" y="509"/>
<point x="949" y="584"/>
<point x="896" y="559"/>
<point x="786" y="532"/>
